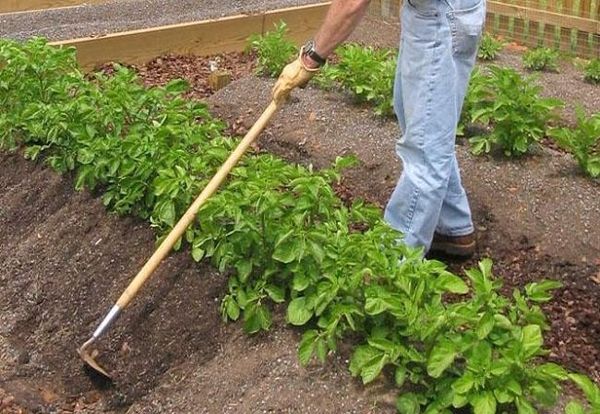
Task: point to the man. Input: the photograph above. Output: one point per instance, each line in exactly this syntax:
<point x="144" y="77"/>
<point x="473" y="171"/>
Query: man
<point x="438" y="47"/>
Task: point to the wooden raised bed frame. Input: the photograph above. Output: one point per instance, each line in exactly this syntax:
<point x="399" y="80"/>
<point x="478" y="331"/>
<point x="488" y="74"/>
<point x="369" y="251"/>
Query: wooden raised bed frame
<point x="12" y="6"/>
<point x="228" y="34"/>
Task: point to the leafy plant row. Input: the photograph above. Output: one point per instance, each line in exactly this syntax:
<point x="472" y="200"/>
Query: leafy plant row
<point x="507" y="106"/>
<point x="284" y="236"/>
<point x="365" y="72"/>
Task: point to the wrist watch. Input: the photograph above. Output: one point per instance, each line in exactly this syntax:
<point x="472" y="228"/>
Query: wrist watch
<point x="309" y="50"/>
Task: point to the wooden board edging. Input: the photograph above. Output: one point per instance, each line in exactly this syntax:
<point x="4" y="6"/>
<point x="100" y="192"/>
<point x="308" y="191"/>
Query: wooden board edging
<point x="14" y="6"/>
<point x="228" y="34"/>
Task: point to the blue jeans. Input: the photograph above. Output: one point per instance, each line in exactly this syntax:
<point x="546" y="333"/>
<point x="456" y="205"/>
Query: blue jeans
<point x="438" y="48"/>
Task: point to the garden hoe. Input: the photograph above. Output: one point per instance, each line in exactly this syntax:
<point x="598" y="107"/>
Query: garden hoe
<point x="165" y="247"/>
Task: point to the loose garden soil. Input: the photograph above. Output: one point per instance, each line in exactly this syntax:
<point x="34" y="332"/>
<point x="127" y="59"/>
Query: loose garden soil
<point x="65" y="260"/>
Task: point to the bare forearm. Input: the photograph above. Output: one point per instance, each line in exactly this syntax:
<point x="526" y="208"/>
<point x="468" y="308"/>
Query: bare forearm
<point x="342" y="18"/>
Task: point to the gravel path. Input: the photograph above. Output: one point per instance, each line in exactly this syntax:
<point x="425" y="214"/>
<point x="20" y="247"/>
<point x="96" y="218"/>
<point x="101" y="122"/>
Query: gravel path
<point x="119" y="15"/>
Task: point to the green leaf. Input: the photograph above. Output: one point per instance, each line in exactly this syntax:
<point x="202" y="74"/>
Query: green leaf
<point x="244" y="269"/>
<point x="451" y="283"/>
<point x="408" y="404"/>
<point x="177" y="86"/>
<point x="544" y="394"/>
<point x="307" y="346"/>
<point x="481" y="356"/>
<point x="265" y="318"/>
<point x="464" y="383"/>
<point x="574" y="407"/>
<point x="375" y="305"/>
<point x="485" y="325"/>
<point x="503" y="396"/>
<point x="287" y="248"/>
<point x="499" y="367"/>
<point x="459" y="400"/>
<point x="276" y="293"/>
<point x="502" y="321"/>
<point x="372" y="368"/>
<point x="167" y="213"/>
<point x="531" y="340"/>
<point x="483" y="402"/>
<point x="541" y="291"/>
<point x="524" y="407"/>
<point x="367" y="362"/>
<point x="84" y="156"/>
<point x="197" y="254"/>
<point x="321" y="350"/>
<point x="233" y="310"/>
<point x="400" y="376"/>
<point x="513" y="386"/>
<point x="252" y="323"/>
<point x="300" y="282"/>
<point x="553" y="371"/>
<point x="590" y="390"/>
<point x="361" y="356"/>
<point x="441" y="357"/>
<point x="298" y="313"/>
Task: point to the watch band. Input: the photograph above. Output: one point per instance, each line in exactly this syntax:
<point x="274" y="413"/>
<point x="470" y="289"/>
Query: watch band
<point x="309" y="50"/>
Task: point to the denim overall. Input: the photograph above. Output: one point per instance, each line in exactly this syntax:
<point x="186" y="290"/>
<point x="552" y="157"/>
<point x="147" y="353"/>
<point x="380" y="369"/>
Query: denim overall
<point x="438" y="48"/>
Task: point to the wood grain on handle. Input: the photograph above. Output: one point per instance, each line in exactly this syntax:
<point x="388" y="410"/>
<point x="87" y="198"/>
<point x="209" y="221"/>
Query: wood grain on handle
<point x="165" y="247"/>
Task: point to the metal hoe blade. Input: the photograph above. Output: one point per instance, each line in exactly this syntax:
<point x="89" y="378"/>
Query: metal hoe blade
<point x="89" y="359"/>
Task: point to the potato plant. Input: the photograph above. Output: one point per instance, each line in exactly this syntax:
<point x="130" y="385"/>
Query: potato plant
<point x="511" y="106"/>
<point x="283" y="236"/>
<point x="273" y="50"/>
<point x="367" y="73"/>
<point x="583" y="142"/>
<point x="489" y="47"/>
<point x="476" y="97"/>
<point x="592" y="71"/>
<point x="541" y="59"/>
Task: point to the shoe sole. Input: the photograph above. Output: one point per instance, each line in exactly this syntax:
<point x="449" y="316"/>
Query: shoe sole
<point x="453" y="249"/>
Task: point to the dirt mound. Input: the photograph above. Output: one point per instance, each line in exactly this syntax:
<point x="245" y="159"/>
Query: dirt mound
<point x="64" y="262"/>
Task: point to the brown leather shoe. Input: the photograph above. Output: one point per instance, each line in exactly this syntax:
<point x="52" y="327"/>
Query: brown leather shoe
<point x="457" y="246"/>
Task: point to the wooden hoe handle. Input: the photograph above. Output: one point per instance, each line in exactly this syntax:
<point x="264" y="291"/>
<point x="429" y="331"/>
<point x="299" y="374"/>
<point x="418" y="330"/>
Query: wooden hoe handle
<point x="165" y="247"/>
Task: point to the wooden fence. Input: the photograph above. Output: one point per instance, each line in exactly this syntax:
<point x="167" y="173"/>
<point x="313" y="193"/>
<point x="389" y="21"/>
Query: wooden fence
<point x="569" y="25"/>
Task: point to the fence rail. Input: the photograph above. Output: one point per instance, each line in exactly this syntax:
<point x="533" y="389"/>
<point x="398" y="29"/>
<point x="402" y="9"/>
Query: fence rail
<point x="569" y="25"/>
